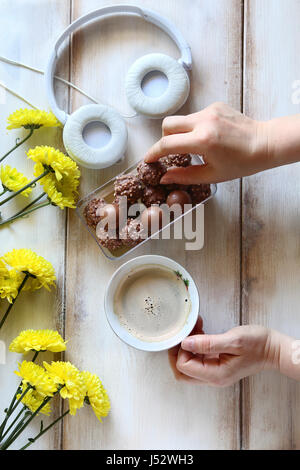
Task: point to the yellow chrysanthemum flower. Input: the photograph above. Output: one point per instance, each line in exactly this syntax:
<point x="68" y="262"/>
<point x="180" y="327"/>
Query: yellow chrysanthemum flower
<point x="33" y="400"/>
<point x="13" y="180"/>
<point x="61" y="193"/>
<point x="9" y="283"/>
<point x="27" y="261"/>
<point x="64" y="373"/>
<point x="37" y="340"/>
<point x="36" y="376"/>
<point x="32" y="119"/>
<point x="59" y="164"/>
<point x="96" y="395"/>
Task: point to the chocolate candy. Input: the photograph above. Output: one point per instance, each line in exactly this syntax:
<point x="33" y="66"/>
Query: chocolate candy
<point x="152" y="219"/>
<point x="150" y="173"/>
<point x="128" y="186"/>
<point x="110" y="212"/>
<point x="199" y="192"/>
<point x="108" y="239"/>
<point x="179" y="197"/>
<point x="133" y="233"/>
<point x="90" y="212"/>
<point x="176" y="160"/>
<point x="153" y="195"/>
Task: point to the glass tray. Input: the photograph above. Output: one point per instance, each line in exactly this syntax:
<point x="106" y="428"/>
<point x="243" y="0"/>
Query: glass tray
<point x="106" y="192"/>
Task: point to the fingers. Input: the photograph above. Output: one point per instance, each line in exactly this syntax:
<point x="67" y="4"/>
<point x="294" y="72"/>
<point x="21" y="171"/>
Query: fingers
<point x="209" y="344"/>
<point x="207" y="371"/>
<point x="194" y="174"/>
<point x="173" y="355"/>
<point x="176" y="125"/>
<point x="170" y="144"/>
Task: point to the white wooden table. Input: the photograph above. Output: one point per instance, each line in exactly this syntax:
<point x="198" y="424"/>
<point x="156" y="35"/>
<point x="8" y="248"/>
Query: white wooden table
<point x="245" y="53"/>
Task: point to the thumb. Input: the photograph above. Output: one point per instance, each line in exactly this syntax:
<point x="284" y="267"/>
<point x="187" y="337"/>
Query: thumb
<point x="209" y="344"/>
<point x="194" y="174"/>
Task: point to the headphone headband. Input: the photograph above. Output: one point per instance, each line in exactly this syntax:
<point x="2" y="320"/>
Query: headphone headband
<point x="148" y="15"/>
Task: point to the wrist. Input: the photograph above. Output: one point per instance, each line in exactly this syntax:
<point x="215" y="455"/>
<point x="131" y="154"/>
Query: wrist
<point x="264" y="149"/>
<point x="273" y="351"/>
<point x="282" y="140"/>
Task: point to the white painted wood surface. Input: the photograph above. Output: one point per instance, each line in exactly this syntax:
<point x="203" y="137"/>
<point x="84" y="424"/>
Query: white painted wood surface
<point x="271" y="228"/>
<point x="149" y="408"/>
<point x="27" y="30"/>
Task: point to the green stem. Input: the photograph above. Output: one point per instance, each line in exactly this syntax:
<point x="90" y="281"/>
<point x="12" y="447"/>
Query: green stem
<point x="22" y="214"/>
<point x="20" y="398"/>
<point x="3" y="192"/>
<point x="19" y="425"/>
<point x="35" y="356"/>
<point x="29" y="205"/>
<point x="31" y="183"/>
<point x="13" y="302"/>
<point x="8" y="411"/>
<point x="14" y="421"/>
<point x="44" y="430"/>
<point x="18" y="144"/>
<point x="13" y="435"/>
<point x="11" y="407"/>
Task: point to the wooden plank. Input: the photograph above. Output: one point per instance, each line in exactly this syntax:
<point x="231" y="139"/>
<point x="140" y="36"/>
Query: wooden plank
<point x="149" y="408"/>
<point x="27" y="32"/>
<point x="271" y="203"/>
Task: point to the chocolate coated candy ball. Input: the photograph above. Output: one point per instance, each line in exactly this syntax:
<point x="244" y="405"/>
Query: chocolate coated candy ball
<point x="110" y="212"/>
<point x="179" y="197"/>
<point x="133" y="233"/>
<point x="128" y="186"/>
<point x="108" y="239"/>
<point x="90" y="212"/>
<point x="150" y="173"/>
<point x="174" y="186"/>
<point x="199" y="192"/>
<point x="153" y="195"/>
<point x="152" y="219"/>
<point x="176" y="160"/>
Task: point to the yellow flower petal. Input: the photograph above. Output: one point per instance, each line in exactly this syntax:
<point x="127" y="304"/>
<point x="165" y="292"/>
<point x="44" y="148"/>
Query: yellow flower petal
<point x="27" y="261"/>
<point x="33" y="400"/>
<point x="61" y="193"/>
<point x="36" y="376"/>
<point x="32" y="118"/>
<point x="66" y="374"/>
<point x="61" y="184"/>
<point x="3" y="268"/>
<point x="96" y="395"/>
<point x="37" y="340"/>
<point x="9" y="284"/>
<point x="13" y="180"/>
<point x="49" y="157"/>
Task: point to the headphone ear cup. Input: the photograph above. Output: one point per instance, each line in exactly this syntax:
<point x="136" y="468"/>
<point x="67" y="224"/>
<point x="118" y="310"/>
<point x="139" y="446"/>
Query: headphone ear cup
<point x="83" y="154"/>
<point x="171" y="100"/>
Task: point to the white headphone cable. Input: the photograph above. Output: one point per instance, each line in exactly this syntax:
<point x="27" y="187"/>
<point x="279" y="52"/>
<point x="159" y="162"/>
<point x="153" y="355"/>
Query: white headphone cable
<point x="66" y="82"/>
<point x="17" y="95"/>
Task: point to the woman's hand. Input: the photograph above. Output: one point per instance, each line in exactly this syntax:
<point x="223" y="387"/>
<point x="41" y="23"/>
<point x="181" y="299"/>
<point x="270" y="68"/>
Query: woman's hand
<point x="232" y="145"/>
<point x="221" y="360"/>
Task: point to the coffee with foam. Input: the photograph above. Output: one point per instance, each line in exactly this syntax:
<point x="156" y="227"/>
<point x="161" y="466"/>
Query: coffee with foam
<point x="152" y="303"/>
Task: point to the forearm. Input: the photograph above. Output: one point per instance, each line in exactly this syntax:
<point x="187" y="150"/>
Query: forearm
<point x="284" y="354"/>
<point x="284" y="140"/>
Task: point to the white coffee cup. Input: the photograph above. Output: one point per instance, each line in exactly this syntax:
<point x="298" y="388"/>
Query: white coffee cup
<point x="123" y="333"/>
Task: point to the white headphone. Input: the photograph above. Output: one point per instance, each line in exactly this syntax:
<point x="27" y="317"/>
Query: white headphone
<point x="172" y="99"/>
